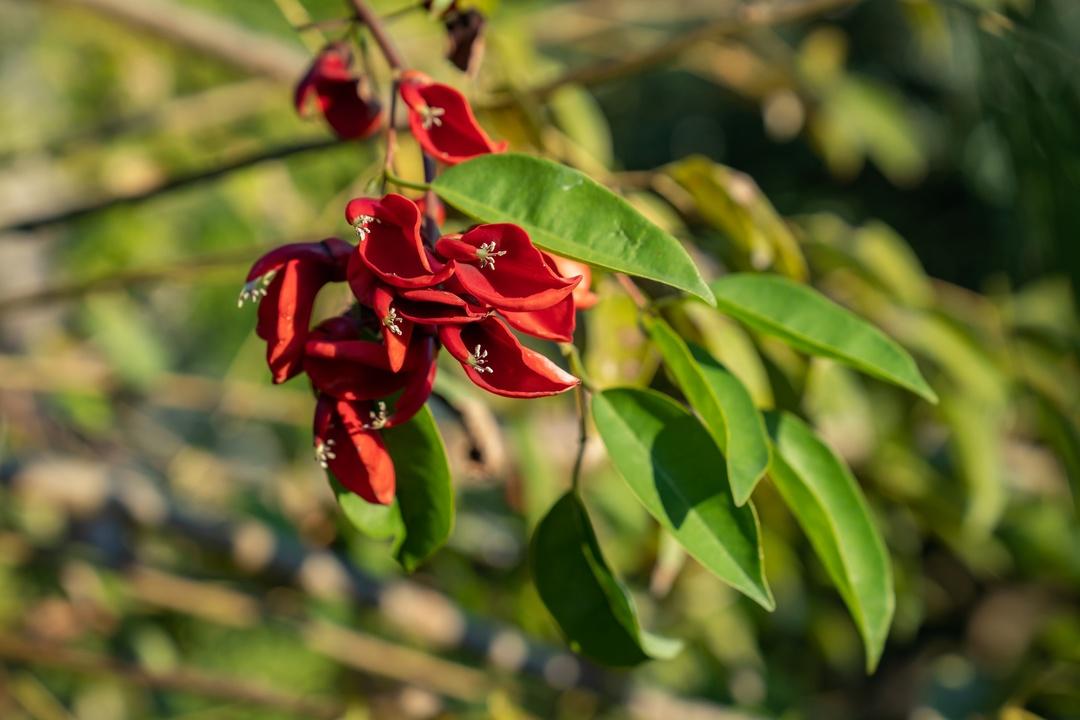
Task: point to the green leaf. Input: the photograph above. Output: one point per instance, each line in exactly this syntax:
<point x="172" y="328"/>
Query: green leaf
<point x="724" y="405"/>
<point x="675" y="469"/>
<point x="829" y="506"/>
<point x="379" y="522"/>
<point x="424" y="491"/>
<point x="570" y="214"/>
<point x="808" y="321"/>
<point x="591" y="606"/>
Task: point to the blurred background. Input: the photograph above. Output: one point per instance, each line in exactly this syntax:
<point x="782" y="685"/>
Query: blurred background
<point x="168" y="548"/>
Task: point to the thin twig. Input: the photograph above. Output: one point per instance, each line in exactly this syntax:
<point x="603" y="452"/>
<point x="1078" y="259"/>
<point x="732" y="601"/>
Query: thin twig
<point x="69" y="214"/>
<point x="378" y="31"/>
<point x="583" y="435"/>
<point x="185" y="680"/>
<point x="632" y="290"/>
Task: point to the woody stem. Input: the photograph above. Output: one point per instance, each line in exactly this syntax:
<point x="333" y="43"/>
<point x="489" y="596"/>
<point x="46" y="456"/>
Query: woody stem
<point x="378" y="32"/>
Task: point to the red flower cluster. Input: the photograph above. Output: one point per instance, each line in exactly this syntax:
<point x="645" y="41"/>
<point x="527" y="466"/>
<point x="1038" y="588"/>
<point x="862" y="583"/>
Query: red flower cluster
<point x="439" y="116"/>
<point x="374" y="366"/>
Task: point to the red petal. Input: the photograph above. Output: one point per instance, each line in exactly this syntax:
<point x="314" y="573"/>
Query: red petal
<point x="347" y="368"/>
<point x="360" y="460"/>
<point x="397" y="343"/>
<point x="342" y="96"/>
<point x="284" y="315"/>
<point x="520" y="279"/>
<point x="416" y="393"/>
<point x="437" y="307"/>
<point x="554" y="323"/>
<point x="508" y="368"/>
<point x="391" y="244"/>
<point x="584" y="298"/>
<point x="457" y="136"/>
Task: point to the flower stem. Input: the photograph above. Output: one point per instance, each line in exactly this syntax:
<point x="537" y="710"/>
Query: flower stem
<point x="391" y="177"/>
<point x="583" y="436"/>
<point x="378" y="31"/>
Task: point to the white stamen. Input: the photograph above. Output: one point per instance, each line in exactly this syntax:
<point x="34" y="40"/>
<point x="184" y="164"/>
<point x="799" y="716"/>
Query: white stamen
<point x="477" y="360"/>
<point x="431" y="116"/>
<point x="486" y="255"/>
<point x="323" y="453"/>
<point x="361" y="225"/>
<point x="378" y="417"/>
<point x="390" y="322"/>
<point x="255" y="289"/>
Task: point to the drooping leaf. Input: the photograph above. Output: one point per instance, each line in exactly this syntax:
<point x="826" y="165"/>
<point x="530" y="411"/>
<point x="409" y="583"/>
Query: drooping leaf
<point x="674" y="467"/>
<point x="724" y="405"/>
<point x="729" y="343"/>
<point x="829" y="506"/>
<point x="808" y="321"/>
<point x="425" y="495"/>
<point x="589" y="603"/>
<point x="570" y="214"/>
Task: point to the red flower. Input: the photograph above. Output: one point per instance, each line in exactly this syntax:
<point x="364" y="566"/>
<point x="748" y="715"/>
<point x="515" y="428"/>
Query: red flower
<point x="354" y="452"/>
<point x="341" y="96"/>
<point x="494" y="359"/>
<point x="442" y="121"/>
<point x="499" y="265"/>
<point x="438" y="307"/>
<point x="344" y="366"/>
<point x="285" y="282"/>
<point x="391" y="245"/>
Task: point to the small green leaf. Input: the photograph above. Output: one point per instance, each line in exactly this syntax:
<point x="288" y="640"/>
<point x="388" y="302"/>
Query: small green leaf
<point x="810" y="322"/>
<point x="379" y="522"/>
<point x="424" y="491"/>
<point x="591" y="606"/>
<point x="724" y="405"/>
<point x="570" y="214"/>
<point x="675" y="469"/>
<point x="829" y="506"/>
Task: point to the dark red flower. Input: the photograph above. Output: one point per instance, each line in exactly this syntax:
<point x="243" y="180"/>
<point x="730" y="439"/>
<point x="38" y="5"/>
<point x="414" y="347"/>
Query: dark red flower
<point x="347" y="446"/>
<point x="285" y="282"/>
<point x="341" y="96"/>
<point x="391" y="245"/>
<point x="498" y="265"/>
<point x="442" y="121"/>
<point x="344" y="366"/>
<point x="494" y="359"/>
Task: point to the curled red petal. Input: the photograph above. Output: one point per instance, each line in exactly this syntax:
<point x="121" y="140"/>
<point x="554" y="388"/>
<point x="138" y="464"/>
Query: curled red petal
<point x="442" y="121"/>
<point x="494" y="360"/>
<point x="437" y="307"/>
<point x="554" y="323"/>
<point x="345" y="367"/>
<point x="342" y="97"/>
<point x="396" y="329"/>
<point x="391" y="244"/>
<point x="300" y="270"/>
<point x="499" y="266"/>
<point x="352" y="451"/>
<point x="418" y="389"/>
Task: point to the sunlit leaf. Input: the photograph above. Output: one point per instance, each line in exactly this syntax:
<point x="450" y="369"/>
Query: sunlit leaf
<point x="810" y="322"/>
<point x="674" y="467"/>
<point x="724" y="405"/>
<point x="570" y="214"/>
<point x="829" y="506"/>
<point x="588" y="602"/>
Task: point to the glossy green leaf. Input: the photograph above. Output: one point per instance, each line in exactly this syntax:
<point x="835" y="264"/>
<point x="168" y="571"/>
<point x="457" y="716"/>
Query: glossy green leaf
<point x="808" y="321"/>
<point x="723" y="404"/>
<point x="588" y="602"/>
<point x="379" y="522"/>
<point x="570" y="214"/>
<point x="829" y="506"/>
<point x="674" y="467"/>
<point x="425" y="494"/>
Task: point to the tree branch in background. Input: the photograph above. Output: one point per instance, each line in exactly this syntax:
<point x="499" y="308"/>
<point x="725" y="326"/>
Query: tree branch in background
<point x="184" y="680"/>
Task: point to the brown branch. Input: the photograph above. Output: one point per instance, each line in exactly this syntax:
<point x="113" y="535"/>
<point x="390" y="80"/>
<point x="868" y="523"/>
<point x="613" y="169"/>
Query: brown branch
<point x="178" y="271"/>
<point x="168" y="185"/>
<point x="217" y="37"/>
<point x="184" y="680"/>
<point x="378" y="32"/>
